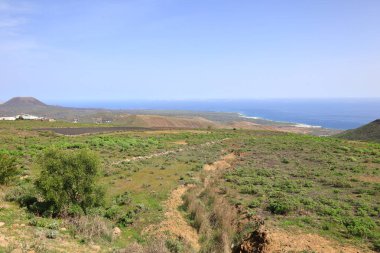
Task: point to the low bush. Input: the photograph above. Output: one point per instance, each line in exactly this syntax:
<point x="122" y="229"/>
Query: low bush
<point x="376" y="245"/>
<point x="52" y="234"/>
<point x="361" y="227"/>
<point x="114" y="212"/>
<point x="280" y="204"/>
<point x="254" y="203"/>
<point x="123" y="199"/>
<point x="8" y="168"/>
<point x="16" y="194"/>
<point x="249" y="189"/>
<point x="127" y="218"/>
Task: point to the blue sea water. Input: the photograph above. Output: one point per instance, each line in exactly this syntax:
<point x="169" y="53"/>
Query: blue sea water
<point x="329" y="113"/>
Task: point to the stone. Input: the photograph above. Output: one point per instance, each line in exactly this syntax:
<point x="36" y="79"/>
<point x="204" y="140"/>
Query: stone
<point x="2" y="223"/>
<point x="116" y="232"/>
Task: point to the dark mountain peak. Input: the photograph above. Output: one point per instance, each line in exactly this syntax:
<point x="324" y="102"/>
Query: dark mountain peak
<point x="376" y="122"/>
<point x="23" y="102"/>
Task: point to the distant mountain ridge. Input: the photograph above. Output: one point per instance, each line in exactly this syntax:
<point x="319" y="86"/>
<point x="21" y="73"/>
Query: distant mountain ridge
<point x="23" y="102"/>
<point x="368" y="132"/>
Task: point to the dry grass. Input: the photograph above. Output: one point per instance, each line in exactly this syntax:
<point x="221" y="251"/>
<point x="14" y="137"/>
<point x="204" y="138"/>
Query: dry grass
<point x="156" y="246"/>
<point x="213" y="217"/>
<point x="90" y="228"/>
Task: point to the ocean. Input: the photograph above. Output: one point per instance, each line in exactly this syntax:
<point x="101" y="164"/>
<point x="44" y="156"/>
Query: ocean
<point x="328" y="113"/>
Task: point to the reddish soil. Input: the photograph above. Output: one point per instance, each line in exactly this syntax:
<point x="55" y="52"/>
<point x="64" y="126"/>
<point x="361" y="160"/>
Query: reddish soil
<point x="175" y="122"/>
<point x="223" y="163"/>
<point x="370" y="179"/>
<point x="180" y="142"/>
<point x="175" y="223"/>
<point x="283" y="241"/>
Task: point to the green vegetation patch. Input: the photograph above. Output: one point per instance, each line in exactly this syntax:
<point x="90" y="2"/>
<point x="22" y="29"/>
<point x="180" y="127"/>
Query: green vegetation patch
<point x="324" y="185"/>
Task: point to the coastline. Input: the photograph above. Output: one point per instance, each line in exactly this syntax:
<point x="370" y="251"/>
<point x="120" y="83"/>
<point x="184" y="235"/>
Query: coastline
<point x="294" y="124"/>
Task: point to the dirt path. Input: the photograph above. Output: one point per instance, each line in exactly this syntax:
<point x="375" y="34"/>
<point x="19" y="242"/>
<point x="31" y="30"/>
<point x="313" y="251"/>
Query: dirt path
<point x="174" y="221"/>
<point x="222" y="164"/>
<point x="138" y="158"/>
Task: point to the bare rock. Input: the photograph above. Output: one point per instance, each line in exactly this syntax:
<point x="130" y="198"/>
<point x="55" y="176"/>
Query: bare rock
<point x="2" y="224"/>
<point x="116" y="232"/>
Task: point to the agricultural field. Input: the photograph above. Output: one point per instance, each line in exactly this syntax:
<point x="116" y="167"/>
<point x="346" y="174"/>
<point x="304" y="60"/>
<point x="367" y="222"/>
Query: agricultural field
<point x="210" y="190"/>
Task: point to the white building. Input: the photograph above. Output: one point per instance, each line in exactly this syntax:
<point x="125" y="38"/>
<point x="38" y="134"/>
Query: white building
<point x="8" y="118"/>
<point x="28" y="117"/>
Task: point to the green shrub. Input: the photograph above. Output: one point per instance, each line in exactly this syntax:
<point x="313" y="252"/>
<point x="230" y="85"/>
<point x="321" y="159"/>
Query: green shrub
<point x="15" y="194"/>
<point x="114" y="212"/>
<point x="282" y="204"/>
<point x="26" y="196"/>
<point x="284" y="160"/>
<point x="51" y="234"/>
<point x="74" y="210"/>
<point x="37" y="222"/>
<point x="53" y="225"/>
<point x="254" y="203"/>
<point x="361" y="227"/>
<point x="8" y="168"/>
<point x="376" y="245"/>
<point x="248" y="189"/>
<point x="339" y="183"/>
<point x="126" y="219"/>
<point x="68" y="180"/>
<point x="123" y="199"/>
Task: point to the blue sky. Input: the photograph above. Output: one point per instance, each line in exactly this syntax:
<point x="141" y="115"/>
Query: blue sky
<point x="189" y="49"/>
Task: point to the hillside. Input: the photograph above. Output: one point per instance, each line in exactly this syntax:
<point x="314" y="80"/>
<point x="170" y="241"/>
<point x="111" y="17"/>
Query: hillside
<point x="199" y="190"/>
<point x="167" y="121"/>
<point x="23" y="102"/>
<point x="369" y="132"/>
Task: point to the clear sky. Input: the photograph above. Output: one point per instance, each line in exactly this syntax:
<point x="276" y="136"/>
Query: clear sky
<point x="189" y="49"/>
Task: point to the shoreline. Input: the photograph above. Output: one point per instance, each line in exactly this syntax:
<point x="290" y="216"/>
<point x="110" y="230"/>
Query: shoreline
<point x="293" y="124"/>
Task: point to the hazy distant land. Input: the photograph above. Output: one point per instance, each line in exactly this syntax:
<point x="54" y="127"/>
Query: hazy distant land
<point x="152" y="118"/>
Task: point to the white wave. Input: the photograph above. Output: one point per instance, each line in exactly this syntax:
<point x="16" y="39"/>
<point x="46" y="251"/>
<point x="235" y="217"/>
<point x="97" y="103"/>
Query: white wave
<point x="291" y="123"/>
<point x="306" y="126"/>
<point x="248" y="117"/>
